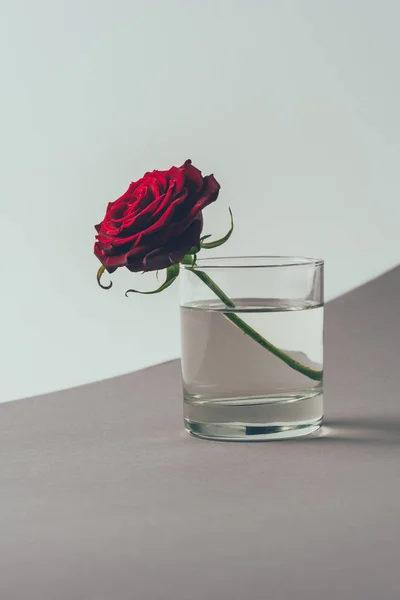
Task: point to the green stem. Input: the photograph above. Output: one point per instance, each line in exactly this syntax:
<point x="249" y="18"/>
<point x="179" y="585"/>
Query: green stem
<point x="252" y="333"/>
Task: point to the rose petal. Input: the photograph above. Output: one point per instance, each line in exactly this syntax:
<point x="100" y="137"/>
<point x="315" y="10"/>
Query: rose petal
<point x="175" y="250"/>
<point x="160" y="178"/>
<point x="209" y="194"/>
<point x="137" y="228"/>
<point x="192" y="175"/>
<point x="148" y="215"/>
<point x="157" y="220"/>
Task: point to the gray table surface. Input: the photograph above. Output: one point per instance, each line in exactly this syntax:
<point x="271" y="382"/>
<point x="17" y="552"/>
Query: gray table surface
<point x="103" y="496"/>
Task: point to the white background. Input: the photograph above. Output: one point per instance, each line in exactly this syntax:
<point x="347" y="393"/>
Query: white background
<point x="294" y="105"/>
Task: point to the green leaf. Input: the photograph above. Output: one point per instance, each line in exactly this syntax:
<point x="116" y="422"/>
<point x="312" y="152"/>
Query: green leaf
<point x="189" y="259"/>
<point x="210" y="245"/>
<point x="99" y="275"/>
<point x="172" y="274"/>
<point x="204" y="237"/>
<point x="193" y="250"/>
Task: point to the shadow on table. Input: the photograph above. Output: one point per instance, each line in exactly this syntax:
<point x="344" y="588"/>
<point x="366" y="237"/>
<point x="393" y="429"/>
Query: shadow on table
<point x="379" y="431"/>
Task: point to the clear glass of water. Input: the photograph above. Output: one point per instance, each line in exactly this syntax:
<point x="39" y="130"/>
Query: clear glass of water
<point x="252" y="347"/>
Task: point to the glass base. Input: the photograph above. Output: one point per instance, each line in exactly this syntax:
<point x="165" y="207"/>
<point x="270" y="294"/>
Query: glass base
<point x="252" y="419"/>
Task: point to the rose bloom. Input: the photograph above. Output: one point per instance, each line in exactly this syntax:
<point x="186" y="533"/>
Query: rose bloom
<point x="157" y="221"/>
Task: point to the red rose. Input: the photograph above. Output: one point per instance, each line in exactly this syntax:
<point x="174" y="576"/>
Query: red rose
<point x="157" y="221"/>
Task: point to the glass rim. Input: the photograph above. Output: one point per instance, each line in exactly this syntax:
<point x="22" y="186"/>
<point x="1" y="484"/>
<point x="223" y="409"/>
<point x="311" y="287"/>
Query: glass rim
<point x="256" y="262"/>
